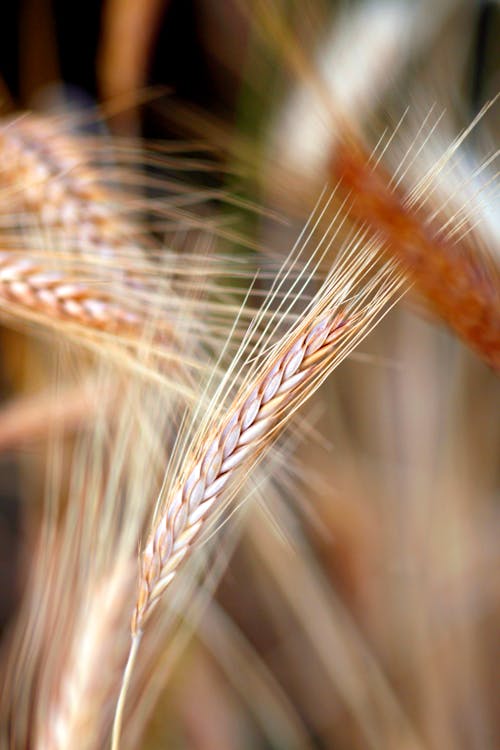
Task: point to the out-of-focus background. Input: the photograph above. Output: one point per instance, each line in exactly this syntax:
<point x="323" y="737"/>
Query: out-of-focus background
<point x="370" y="621"/>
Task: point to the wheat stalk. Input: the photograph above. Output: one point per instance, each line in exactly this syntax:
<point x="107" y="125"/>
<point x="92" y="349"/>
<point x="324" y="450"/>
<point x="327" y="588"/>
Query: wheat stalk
<point x="79" y="632"/>
<point x="87" y="685"/>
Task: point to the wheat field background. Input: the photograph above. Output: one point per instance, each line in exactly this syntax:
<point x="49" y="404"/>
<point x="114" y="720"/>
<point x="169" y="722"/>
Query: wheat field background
<point x="249" y="349"/>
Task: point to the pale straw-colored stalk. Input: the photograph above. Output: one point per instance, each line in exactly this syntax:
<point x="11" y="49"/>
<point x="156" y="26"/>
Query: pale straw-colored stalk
<point x="82" y="704"/>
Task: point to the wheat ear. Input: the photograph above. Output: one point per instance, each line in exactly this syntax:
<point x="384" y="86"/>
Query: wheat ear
<point x="49" y="175"/>
<point x="34" y="288"/>
<point x="229" y="446"/>
<point x="48" y="178"/>
<point x="461" y="287"/>
<point x="44" y="173"/>
<point x="237" y="442"/>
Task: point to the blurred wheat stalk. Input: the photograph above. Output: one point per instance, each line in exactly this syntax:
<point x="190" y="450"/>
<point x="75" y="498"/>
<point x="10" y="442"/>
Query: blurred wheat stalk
<point x="385" y="580"/>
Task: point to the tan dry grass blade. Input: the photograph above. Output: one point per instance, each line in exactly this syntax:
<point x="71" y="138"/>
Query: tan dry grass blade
<point x="28" y="419"/>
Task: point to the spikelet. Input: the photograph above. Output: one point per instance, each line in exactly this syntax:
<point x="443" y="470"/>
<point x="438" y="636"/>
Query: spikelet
<point x="25" y="282"/>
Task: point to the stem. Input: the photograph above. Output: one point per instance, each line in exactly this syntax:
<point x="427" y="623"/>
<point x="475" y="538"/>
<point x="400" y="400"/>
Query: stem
<point x="117" y="722"/>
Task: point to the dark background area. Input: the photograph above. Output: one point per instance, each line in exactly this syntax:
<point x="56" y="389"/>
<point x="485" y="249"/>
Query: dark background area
<point x="179" y="61"/>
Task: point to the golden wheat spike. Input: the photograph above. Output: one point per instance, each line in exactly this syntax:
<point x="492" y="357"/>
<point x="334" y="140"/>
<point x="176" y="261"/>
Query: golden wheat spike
<point x="459" y="285"/>
<point x="233" y="439"/>
<point x="48" y="174"/>
<point x="93" y="271"/>
<point x="31" y="286"/>
<point x="234" y="444"/>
